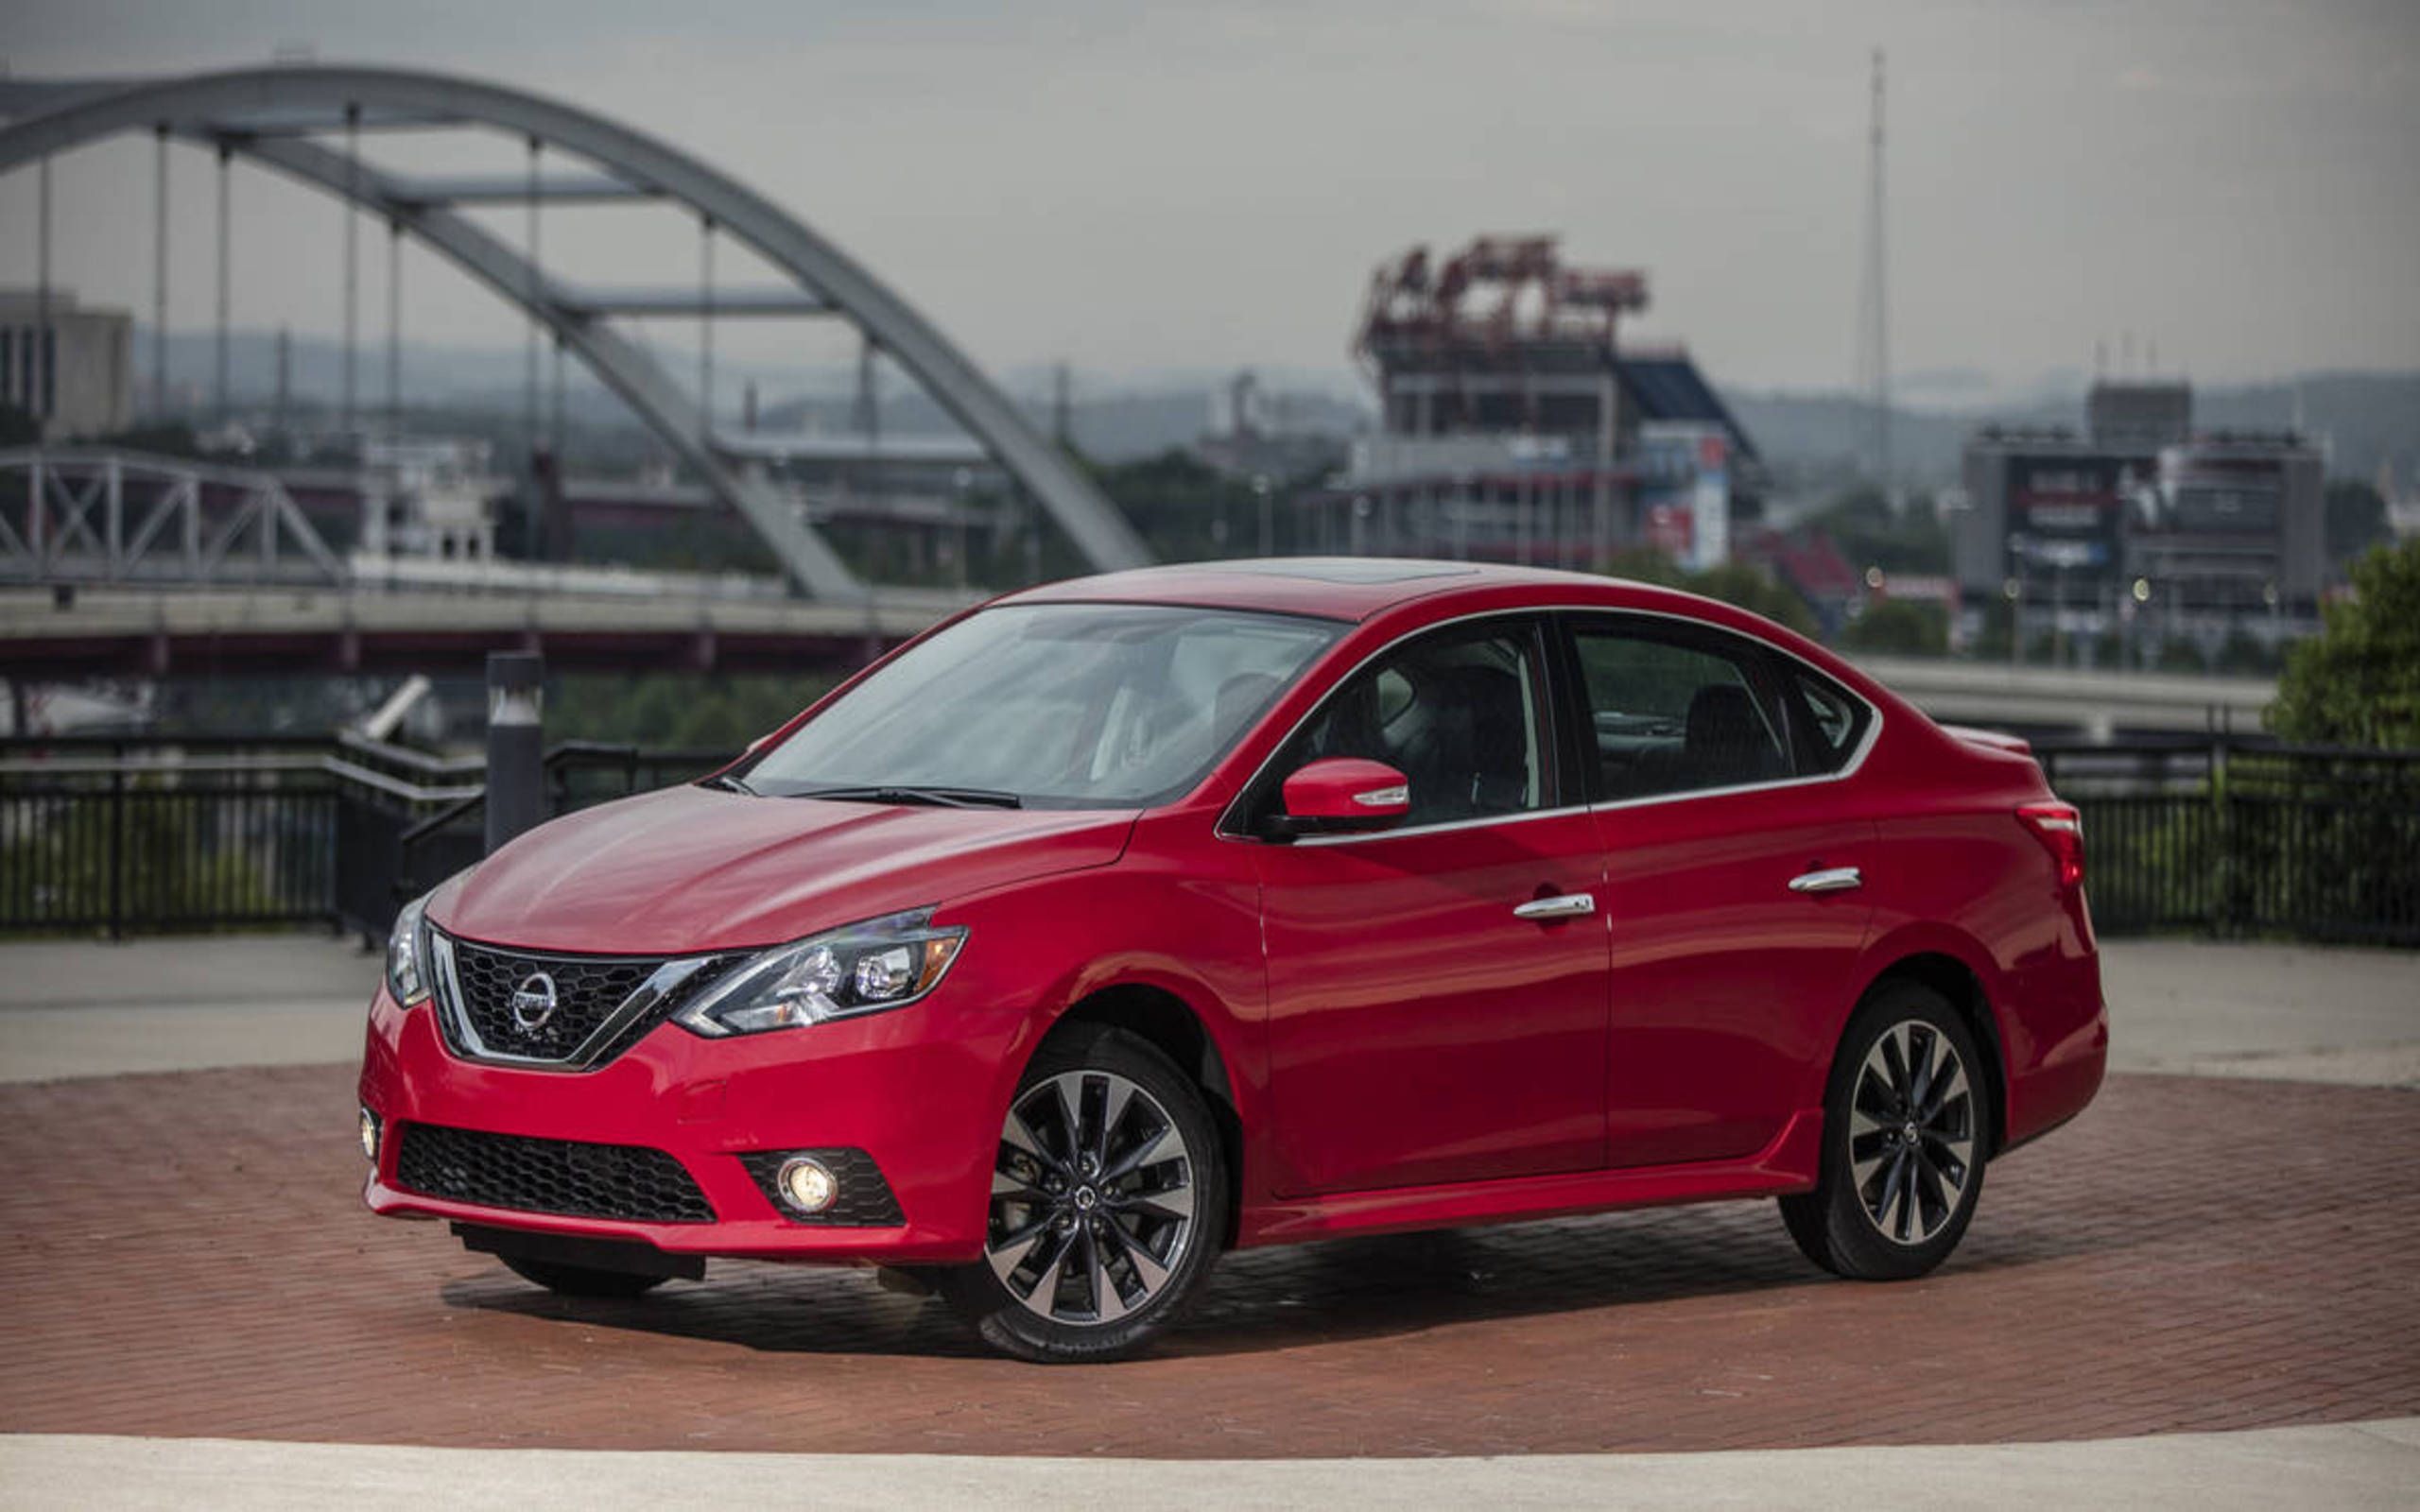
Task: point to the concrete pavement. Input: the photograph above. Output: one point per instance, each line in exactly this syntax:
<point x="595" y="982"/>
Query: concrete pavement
<point x="91" y="1009"/>
<point x="2364" y="1465"/>
<point x="2277" y="1012"/>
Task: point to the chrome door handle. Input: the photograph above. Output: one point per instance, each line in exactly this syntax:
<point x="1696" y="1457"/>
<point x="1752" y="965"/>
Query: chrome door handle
<point x="1831" y="879"/>
<point x="1570" y="905"/>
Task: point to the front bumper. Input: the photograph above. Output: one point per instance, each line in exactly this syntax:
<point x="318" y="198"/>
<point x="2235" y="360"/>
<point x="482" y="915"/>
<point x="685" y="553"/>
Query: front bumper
<point x="916" y="1089"/>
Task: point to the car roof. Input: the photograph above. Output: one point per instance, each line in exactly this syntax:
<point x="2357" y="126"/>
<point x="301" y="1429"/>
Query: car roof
<point x="1343" y="587"/>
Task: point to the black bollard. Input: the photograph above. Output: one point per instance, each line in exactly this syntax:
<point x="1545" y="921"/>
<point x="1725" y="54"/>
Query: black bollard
<point x="516" y="745"/>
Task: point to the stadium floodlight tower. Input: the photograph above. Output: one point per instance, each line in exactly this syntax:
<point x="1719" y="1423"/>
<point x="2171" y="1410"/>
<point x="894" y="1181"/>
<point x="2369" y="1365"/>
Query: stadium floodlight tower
<point x="306" y="122"/>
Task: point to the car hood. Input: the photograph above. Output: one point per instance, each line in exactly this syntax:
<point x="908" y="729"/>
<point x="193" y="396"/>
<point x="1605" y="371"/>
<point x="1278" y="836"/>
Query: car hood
<point x="692" y="868"/>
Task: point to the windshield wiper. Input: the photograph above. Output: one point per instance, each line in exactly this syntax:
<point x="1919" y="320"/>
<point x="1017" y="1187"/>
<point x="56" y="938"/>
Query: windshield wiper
<point x="728" y="783"/>
<point x="943" y="797"/>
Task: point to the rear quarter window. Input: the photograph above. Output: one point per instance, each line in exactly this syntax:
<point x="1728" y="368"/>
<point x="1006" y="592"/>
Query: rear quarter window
<point x="1833" y="719"/>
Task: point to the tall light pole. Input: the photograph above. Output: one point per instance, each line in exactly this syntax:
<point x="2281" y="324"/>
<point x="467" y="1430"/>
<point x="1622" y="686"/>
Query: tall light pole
<point x="959" y="481"/>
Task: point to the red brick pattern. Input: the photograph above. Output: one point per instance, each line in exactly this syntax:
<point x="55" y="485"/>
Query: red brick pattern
<point x="186" y="1255"/>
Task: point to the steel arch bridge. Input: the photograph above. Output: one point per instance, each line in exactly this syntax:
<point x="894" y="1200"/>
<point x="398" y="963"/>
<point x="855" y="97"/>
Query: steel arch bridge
<point x="276" y="117"/>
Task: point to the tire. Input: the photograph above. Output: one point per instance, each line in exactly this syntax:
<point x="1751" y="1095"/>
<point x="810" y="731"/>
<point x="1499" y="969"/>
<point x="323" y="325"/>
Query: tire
<point x="581" y="1281"/>
<point x="1095" y="1243"/>
<point x="1883" y="1208"/>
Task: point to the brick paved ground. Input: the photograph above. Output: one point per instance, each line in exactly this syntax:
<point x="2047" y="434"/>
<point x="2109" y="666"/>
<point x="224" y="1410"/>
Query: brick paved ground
<point x="185" y="1254"/>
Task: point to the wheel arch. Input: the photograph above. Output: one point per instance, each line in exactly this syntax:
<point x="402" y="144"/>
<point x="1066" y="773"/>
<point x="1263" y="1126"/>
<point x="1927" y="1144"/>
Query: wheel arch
<point x="1169" y="1023"/>
<point x="1958" y="981"/>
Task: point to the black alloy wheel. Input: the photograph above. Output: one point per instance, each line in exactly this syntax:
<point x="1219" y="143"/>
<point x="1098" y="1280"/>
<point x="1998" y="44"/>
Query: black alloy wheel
<point x="1906" y="1135"/>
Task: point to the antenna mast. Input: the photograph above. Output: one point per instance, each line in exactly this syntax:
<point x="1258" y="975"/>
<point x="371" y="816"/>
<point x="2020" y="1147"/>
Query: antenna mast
<point x="1874" y="346"/>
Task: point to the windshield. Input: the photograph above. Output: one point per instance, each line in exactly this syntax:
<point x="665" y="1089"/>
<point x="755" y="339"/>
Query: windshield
<point x="1062" y="705"/>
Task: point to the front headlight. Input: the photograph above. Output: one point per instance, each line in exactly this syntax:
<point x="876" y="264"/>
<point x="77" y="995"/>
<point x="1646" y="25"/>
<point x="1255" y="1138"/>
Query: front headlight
<point x="408" y="955"/>
<point x="883" y="963"/>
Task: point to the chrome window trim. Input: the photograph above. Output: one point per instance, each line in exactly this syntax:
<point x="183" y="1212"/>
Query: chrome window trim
<point x="1483" y="821"/>
<point x="446" y="989"/>
<point x="1230" y="815"/>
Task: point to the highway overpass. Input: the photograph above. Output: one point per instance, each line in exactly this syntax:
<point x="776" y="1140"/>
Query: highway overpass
<point x="599" y="618"/>
<point x="104" y="633"/>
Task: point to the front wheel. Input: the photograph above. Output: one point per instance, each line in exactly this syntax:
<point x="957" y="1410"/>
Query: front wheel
<point x="1905" y="1127"/>
<point x="1108" y="1191"/>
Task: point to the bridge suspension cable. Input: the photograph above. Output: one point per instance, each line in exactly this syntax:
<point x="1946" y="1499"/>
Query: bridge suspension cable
<point x="220" y="403"/>
<point x="352" y="258"/>
<point x="160" y="271"/>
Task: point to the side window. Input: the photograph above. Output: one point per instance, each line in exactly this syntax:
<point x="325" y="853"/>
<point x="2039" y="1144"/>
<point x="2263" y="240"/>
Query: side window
<point x="1671" y="712"/>
<point x="1461" y="712"/>
<point x="1833" y="719"/>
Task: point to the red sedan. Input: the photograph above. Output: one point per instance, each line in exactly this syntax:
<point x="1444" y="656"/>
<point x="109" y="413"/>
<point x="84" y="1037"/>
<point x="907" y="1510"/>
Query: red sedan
<point x="1127" y="919"/>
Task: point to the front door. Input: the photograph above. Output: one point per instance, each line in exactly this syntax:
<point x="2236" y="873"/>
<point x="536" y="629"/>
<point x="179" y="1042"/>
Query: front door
<point x="1429" y="1020"/>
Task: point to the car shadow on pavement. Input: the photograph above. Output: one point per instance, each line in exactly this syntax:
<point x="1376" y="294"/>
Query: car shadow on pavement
<point x="1267" y="1300"/>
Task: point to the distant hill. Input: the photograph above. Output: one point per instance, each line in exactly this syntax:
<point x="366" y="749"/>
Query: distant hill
<point x="2362" y="418"/>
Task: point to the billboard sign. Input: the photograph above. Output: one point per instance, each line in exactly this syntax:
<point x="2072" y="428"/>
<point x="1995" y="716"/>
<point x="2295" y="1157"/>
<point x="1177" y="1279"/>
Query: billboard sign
<point x="2067" y="513"/>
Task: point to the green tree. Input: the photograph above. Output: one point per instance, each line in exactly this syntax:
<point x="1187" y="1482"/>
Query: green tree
<point x="2244" y="654"/>
<point x="2179" y="655"/>
<point x="1735" y="582"/>
<point x="675" y="711"/>
<point x="1862" y="524"/>
<point x="2356" y="517"/>
<point x="2356" y="682"/>
<point x="1898" y="626"/>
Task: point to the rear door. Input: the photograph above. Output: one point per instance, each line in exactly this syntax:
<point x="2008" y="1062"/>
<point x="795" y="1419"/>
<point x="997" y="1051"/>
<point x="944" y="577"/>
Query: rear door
<point x="1732" y="890"/>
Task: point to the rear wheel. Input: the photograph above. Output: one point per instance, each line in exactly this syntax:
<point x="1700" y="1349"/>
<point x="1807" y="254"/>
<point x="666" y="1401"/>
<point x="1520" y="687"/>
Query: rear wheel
<point x="581" y="1281"/>
<point x="1905" y="1132"/>
<point x="1108" y="1189"/>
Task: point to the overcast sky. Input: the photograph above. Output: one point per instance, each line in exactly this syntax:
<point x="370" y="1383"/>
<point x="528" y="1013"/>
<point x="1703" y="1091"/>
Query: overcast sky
<point x="1135" y="188"/>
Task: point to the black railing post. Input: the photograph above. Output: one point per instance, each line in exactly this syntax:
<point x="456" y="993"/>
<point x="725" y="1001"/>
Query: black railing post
<point x="2223" y="904"/>
<point x="118" y="849"/>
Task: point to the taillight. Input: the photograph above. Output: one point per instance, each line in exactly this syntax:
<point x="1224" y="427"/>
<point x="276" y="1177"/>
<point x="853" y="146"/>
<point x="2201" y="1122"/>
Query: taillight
<point x="2060" y="827"/>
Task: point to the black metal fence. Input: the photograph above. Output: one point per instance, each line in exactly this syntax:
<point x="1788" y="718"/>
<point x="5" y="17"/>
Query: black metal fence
<point x="2238" y="839"/>
<point x="146" y="835"/>
<point x="167" y="834"/>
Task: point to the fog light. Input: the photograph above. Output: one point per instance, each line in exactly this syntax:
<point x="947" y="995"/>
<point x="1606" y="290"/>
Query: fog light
<point x="370" y="1136"/>
<point x="808" y="1185"/>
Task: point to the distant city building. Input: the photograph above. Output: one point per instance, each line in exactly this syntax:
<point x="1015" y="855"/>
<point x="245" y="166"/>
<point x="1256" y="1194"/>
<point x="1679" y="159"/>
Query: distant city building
<point x="68" y="366"/>
<point x="2141" y="514"/>
<point x="1250" y="437"/>
<point x="1513" y="426"/>
<point x="2139" y="414"/>
<point x="428" y="496"/>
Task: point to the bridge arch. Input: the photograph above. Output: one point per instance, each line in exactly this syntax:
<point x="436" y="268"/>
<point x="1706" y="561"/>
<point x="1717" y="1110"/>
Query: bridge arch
<point x="265" y="114"/>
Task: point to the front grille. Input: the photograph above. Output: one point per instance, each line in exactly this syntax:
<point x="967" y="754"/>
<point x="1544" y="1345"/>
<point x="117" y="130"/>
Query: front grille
<point x="587" y="991"/>
<point x="865" y="1201"/>
<point x="565" y="1177"/>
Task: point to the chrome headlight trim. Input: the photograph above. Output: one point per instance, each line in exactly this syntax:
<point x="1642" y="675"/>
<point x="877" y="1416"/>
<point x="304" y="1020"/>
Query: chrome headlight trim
<point x="870" y="967"/>
<point x="408" y="974"/>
